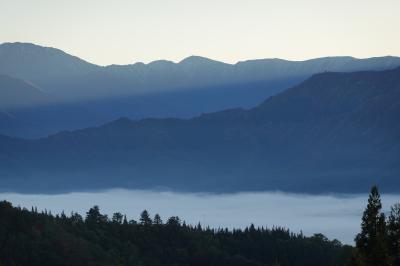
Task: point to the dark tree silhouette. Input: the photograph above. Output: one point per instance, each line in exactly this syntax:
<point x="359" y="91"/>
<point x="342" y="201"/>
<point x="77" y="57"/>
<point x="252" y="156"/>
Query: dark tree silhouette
<point x="174" y="221"/>
<point x="371" y="241"/>
<point x="157" y="219"/>
<point x="394" y="233"/>
<point x="93" y="216"/>
<point x="117" y="218"/>
<point x="31" y="238"/>
<point x="145" y="218"/>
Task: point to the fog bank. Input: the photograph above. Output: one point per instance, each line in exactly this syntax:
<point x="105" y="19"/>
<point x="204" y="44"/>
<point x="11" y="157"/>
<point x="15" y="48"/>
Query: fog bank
<point x="336" y="216"/>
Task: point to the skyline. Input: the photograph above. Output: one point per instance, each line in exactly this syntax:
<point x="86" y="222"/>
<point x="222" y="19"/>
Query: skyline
<point x="200" y="56"/>
<point x="229" y="31"/>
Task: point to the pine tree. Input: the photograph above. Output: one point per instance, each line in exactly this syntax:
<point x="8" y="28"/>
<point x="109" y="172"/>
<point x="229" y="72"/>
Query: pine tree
<point x="145" y="218"/>
<point x="371" y="241"/>
<point x="174" y="221"/>
<point x="394" y="233"/>
<point x="76" y="218"/>
<point x="93" y="216"/>
<point x="157" y="219"/>
<point x="117" y="218"/>
<point x="198" y="227"/>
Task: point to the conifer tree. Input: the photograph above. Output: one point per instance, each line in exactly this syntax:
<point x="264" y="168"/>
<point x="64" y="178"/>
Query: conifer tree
<point x="371" y="241"/>
<point x="174" y="221"/>
<point x="157" y="219"/>
<point x="93" y="216"/>
<point x="394" y="233"/>
<point x="117" y="218"/>
<point x="145" y="218"/>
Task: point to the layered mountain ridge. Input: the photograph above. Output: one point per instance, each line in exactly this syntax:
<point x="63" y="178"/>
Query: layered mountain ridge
<point x="334" y="132"/>
<point x="160" y="89"/>
<point x="49" y="68"/>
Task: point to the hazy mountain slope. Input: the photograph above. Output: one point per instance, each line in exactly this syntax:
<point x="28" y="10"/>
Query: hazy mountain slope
<point x="25" y="110"/>
<point x="52" y="118"/>
<point x="281" y="68"/>
<point x="40" y="65"/>
<point x="161" y="88"/>
<point x="196" y="72"/>
<point x="334" y="132"/>
<point x="15" y="93"/>
<point x="73" y="78"/>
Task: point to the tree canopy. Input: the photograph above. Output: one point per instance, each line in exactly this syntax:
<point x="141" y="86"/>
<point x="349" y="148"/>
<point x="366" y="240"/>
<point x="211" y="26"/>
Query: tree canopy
<point x="33" y="238"/>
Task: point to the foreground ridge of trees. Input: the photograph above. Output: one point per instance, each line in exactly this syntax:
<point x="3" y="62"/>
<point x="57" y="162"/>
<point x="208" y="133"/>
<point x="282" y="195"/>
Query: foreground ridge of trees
<point x="33" y="238"/>
<point x="378" y="243"/>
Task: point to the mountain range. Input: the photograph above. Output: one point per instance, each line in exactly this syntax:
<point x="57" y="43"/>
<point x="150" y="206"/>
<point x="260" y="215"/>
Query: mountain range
<point x="71" y="93"/>
<point x="333" y="132"/>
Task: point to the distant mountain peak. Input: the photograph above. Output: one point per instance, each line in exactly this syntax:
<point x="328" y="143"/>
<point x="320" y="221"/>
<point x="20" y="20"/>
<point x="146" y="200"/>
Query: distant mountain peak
<point x="38" y="50"/>
<point x="19" y="44"/>
<point x="28" y="47"/>
<point x="263" y="60"/>
<point x="195" y="59"/>
<point x="158" y="63"/>
<point x="39" y="64"/>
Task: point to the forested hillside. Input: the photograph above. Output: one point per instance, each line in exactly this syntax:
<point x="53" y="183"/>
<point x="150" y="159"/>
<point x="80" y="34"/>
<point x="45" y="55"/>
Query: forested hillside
<point x="33" y="238"/>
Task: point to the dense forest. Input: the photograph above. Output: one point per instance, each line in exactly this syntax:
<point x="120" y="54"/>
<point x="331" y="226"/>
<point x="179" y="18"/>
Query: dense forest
<point x="29" y="237"/>
<point x="33" y="238"/>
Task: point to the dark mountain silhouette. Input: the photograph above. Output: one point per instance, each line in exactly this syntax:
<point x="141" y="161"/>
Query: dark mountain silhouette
<point x="335" y="132"/>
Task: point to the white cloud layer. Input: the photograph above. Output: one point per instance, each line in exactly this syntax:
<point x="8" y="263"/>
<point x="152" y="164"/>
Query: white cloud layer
<point x="336" y="216"/>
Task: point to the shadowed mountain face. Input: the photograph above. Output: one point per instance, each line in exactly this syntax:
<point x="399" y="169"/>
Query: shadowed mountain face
<point x="159" y="89"/>
<point x="335" y="132"/>
<point x="15" y="93"/>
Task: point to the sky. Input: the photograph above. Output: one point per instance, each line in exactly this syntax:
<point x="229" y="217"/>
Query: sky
<point x="127" y="31"/>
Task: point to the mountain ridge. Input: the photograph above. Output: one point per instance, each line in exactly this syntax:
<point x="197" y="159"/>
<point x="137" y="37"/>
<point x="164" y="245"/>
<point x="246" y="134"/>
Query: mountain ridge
<point x="161" y="89"/>
<point x="23" y="45"/>
<point x="335" y="132"/>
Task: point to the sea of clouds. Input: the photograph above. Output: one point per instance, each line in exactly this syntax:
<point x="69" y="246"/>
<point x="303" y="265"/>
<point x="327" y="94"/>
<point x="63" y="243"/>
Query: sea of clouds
<point x="336" y="216"/>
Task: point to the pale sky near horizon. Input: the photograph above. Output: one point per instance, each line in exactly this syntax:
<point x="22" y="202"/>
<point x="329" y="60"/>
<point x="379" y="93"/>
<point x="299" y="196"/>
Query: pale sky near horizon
<point x="123" y="31"/>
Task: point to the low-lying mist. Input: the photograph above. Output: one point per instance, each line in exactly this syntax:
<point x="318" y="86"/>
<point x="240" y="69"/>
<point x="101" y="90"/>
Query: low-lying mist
<point x="336" y="216"/>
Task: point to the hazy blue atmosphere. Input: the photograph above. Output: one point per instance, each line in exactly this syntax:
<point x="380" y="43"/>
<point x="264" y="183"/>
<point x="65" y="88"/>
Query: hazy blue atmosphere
<point x="336" y="216"/>
<point x="282" y="114"/>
